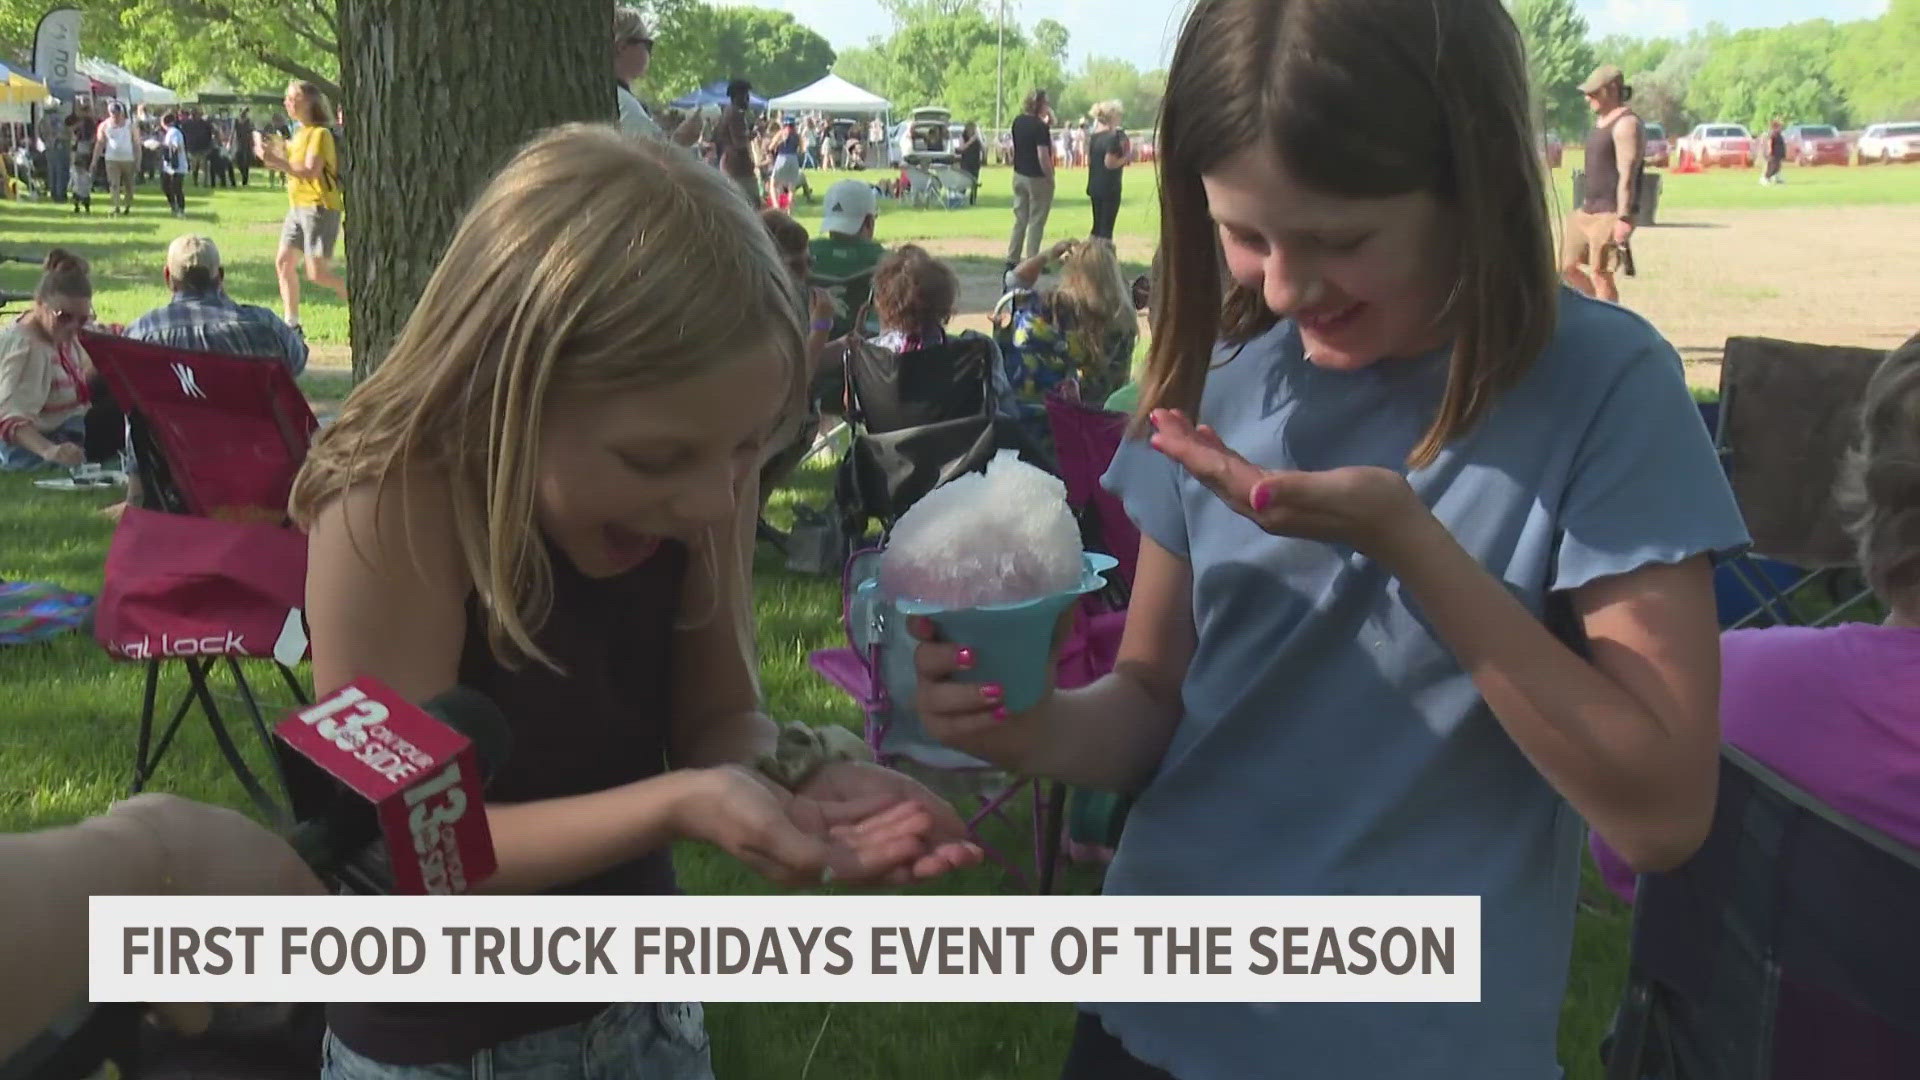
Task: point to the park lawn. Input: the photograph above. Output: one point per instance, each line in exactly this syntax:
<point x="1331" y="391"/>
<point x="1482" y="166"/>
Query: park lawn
<point x="127" y="253"/>
<point x="1740" y="189"/>
<point x="68" y="715"/>
<point x="245" y="223"/>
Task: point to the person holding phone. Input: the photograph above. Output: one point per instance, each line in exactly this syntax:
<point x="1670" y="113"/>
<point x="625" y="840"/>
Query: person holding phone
<point x="312" y="227"/>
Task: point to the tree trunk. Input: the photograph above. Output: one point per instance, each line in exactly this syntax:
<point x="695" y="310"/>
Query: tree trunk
<point x="437" y="97"/>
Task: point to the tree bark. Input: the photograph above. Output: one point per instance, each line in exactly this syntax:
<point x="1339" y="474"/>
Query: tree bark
<point x="437" y="98"/>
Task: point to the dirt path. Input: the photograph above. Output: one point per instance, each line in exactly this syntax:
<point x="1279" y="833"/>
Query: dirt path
<point x="1835" y="275"/>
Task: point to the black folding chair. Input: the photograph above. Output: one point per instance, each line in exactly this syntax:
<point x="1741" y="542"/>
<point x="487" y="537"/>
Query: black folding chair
<point x="918" y="419"/>
<point x="1788" y="412"/>
<point x="1788" y="947"/>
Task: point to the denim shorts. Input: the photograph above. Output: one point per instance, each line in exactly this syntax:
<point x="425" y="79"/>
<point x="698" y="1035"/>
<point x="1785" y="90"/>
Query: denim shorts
<point x="651" y="1041"/>
<point x="17" y="458"/>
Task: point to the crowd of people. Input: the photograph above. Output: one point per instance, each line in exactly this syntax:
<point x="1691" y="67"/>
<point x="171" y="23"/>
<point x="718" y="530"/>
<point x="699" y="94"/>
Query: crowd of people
<point x="102" y="144"/>
<point x="1423" y="591"/>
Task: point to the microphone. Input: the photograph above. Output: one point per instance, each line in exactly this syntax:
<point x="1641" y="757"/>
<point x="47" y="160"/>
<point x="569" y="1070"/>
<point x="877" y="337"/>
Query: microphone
<point x="392" y="791"/>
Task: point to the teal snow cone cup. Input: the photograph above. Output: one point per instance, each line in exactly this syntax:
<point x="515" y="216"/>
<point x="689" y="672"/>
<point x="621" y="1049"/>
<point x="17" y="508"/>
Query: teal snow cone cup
<point x="1012" y="643"/>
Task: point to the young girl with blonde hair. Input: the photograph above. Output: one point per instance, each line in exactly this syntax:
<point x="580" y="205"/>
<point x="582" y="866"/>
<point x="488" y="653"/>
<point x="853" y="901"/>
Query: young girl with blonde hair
<point x="1424" y="577"/>
<point x="1084" y="329"/>
<point x="545" y="494"/>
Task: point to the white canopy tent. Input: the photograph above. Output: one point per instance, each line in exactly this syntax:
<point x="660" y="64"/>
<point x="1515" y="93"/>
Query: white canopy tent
<point x="131" y="87"/>
<point x="833" y="95"/>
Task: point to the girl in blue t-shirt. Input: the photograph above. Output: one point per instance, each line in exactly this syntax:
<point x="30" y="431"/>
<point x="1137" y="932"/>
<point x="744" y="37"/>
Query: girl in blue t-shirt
<point x="1424" y="578"/>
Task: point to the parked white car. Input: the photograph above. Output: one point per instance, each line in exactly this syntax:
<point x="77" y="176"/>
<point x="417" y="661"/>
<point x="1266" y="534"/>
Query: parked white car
<point x="1888" y="143"/>
<point x="1719" y="144"/>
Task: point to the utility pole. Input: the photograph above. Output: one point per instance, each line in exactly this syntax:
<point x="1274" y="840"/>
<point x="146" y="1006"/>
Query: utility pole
<point x="999" y="66"/>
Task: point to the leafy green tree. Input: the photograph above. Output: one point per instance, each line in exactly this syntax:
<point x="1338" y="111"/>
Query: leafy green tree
<point x="1876" y="64"/>
<point x="769" y="48"/>
<point x="249" y="44"/>
<point x="944" y="52"/>
<point x="1105" y="78"/>
<point x="1634" y="56"/>
<point x="1558" y="59"/>
<point x="1756" y="75"/>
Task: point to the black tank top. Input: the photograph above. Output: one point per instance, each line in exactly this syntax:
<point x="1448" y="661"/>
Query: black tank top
<point x="1603" y="170"/>
<point x="602" y="724"/>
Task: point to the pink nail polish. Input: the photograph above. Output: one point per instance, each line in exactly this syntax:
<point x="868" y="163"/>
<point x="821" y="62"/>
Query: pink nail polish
<point x="1000" y="714"/>
<point x="1260" y="498"/>
<point x="965" y="658"/>
<point x="992" y="692"/>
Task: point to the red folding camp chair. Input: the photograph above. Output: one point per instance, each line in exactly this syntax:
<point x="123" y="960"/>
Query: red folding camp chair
<point x="217" y="577"/>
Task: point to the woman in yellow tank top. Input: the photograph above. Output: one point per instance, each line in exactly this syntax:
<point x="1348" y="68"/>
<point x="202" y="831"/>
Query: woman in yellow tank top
<point x="312" y="164"/>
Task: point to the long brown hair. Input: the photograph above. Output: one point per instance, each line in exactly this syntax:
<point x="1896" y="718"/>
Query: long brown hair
<point x="1361" y="99"/>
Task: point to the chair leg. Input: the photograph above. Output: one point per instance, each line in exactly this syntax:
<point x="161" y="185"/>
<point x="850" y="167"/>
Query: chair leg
<point x="293" y="684"/>
<point x="140" y="765"/>
<point x="198" y="672"/>
<point x="259" y="725"/>
<point x="150" y="761"/>
<point x="1049" y="824"/>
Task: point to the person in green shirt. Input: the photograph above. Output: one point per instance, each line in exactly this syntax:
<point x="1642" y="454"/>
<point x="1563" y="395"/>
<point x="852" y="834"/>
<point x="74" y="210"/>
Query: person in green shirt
<point x="846" y="253"/>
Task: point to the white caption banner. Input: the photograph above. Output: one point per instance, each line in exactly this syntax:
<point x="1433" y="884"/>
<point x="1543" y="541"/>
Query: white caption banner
<point x="786" y="948"/>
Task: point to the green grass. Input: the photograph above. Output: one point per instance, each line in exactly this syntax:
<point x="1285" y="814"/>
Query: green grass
<point x="127" y="253"/>
<point x="245" y="223"/>
<point x="68" y="714"/>
<point x="1739" y="189"/>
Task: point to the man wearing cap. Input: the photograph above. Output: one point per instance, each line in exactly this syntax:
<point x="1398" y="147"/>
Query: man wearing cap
<point x="1596" y="233"/>
<point x="201" y="316"/>
<point x="846" y="253"/>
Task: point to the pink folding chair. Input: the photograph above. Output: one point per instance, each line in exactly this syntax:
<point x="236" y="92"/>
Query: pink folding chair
<point x="216" y="577"/>
<point x="1084" y="442"/>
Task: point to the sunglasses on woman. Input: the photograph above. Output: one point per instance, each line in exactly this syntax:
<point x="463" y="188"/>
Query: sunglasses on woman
<point x="637" y="40"/>
<point x="70" y="316"/>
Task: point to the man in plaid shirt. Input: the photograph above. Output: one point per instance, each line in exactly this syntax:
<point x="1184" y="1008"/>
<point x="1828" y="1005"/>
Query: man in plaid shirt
<point x="203" y="318"/>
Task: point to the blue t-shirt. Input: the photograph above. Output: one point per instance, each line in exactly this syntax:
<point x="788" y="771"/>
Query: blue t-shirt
<point x="1330" y="744"/>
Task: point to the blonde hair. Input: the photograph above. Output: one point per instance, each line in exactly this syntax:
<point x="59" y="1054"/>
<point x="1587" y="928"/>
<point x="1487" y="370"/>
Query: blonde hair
<point x="1107" y="112"/>
<point x="594" y="263"/>
<point x="628" y="22"/>
<point x="315" y="101"/>
<point x="1448" y="110"/>
<point x="1093" y="289"/>
<point x="1879" y="488"/>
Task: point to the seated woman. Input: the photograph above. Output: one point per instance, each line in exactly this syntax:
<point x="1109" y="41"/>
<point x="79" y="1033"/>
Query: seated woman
<point x="1831" y="709"/>
<point x="914" y="296"/>
<point x="44" y="371"/>
<point x="1078" y="337"/>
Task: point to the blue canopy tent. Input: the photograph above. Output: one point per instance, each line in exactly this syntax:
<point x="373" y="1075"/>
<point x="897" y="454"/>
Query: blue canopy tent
<point x="714" y="93"/>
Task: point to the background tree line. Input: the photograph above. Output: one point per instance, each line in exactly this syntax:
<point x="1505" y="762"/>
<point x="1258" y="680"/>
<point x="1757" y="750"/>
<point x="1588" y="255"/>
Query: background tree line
<point x="1817" y="71"/>
<point x="938" y="52"/>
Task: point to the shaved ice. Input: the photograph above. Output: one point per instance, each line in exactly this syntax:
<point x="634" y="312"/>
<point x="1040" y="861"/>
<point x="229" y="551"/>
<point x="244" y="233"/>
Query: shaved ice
<point x="1005" y="536"/>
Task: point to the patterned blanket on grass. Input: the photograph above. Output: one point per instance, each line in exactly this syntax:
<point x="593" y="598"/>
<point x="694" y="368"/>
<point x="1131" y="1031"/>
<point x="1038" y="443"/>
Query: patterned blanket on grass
<point x="35" y="611"/>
